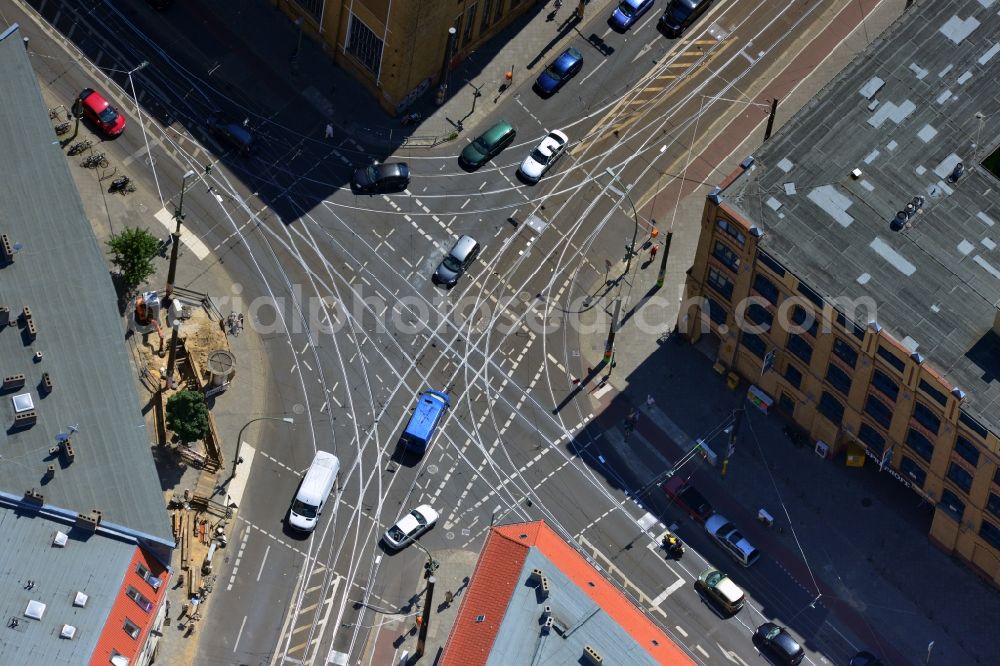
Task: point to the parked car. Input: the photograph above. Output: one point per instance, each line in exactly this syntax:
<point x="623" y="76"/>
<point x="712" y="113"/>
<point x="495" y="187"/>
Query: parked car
<point x="628" y="12"/>
<point x="688" y="498"/>
<point x="236" y="135"/>
<point x="487" y="145"/>
<point x="721" y="591"/>
<point x="378" y="178"/>
<point x="680" y="14"/>
<point x="410" y="526"/>
<point x="543" y="156"/>
<point x="730" y="538"/>
<point x="562" y="69"/>
<point x="457" y="261"/>
<point x="777" y="642"/>
<point x="864" y="658"/>
<point x="100" y="112"/>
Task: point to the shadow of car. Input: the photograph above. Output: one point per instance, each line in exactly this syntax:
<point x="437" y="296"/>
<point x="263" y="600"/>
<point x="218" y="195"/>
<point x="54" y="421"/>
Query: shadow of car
<point x="381" y="178"/>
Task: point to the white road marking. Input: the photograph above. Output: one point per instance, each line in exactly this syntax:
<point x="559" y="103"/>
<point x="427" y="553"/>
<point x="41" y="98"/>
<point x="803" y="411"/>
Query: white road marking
<point x="676" y="585"/>
<point x="166" y="218"/>
<point x="592" y="72"/>
<point x="262" y="561"/>
<point x="240" y="633"/>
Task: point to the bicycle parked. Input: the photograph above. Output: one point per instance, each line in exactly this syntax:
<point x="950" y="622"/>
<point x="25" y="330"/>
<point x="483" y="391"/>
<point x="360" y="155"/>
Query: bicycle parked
<point x="122" y="185"/>
<point x="79" y="147"/>
<point x="95" y="160"/>
<point x="62" y="128"/>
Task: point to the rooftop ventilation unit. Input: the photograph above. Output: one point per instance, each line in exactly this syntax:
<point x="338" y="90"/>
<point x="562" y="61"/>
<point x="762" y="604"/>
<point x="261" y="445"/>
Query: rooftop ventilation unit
<point x="68" y="632"/>
<point x="35" y="610"/>
<point x="88" y="521"/>
<point x="591" y="657"/>
<point x="80" y="600"/>
<point x="6" y="249"/>
<point x="60" y="540"/>
<point x="34" y="497"/>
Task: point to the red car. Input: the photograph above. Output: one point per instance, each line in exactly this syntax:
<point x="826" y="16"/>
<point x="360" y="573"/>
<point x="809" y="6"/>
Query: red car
<point x="101" y="113"/>
<point x="688" y="498"/>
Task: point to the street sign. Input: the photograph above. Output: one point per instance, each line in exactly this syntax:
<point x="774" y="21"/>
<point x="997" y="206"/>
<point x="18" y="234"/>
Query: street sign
<point x="768" y="363"/>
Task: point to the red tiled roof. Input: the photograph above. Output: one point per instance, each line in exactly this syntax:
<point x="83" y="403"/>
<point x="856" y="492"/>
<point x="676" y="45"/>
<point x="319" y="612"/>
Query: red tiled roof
<point x="113" y="636"/>
<point x="497" y="572"/>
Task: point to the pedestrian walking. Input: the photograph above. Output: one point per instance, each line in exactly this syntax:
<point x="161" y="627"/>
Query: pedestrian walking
<point x="329" y="130"/>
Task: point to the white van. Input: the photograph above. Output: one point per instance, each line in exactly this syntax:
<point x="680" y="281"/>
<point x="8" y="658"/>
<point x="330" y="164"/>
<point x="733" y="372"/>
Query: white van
<point x="313" y="491"/>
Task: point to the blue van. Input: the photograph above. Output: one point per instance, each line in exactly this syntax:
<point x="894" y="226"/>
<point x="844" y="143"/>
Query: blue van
<point x="419" y="431"/>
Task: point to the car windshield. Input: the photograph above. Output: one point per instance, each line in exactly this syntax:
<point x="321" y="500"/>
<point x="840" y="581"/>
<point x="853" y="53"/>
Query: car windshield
<point x="680" y="11"/>
<point x="772" y="632"/>
<point x="713" y="579"/>
<point x="453" y="265"/>
<point x="626" y="9"/>
<point x="559" y="67"/>
<point x="480" y="145"/>
<point x="372" y="174"/>
<point x="735" y="537"/>
<point x="539" y="156"/>
<point x="108" y="115"/>
<point x="419" y="518"/>
<point x="302" y="509"/>
<point x="396" y="534"/>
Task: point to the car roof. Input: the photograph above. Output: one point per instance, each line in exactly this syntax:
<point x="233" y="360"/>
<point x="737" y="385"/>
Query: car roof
<point x="715" y="522"/>
<point x="498" y="131"/>
<point x="393" y="169"/>
<point x="728" y="589"/>
<point x="463" y="246"/>
<point x="787" y="642"/>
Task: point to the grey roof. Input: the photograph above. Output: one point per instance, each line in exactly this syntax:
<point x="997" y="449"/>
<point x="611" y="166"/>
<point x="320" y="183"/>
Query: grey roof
<point x="95" y="567"/>
<point x="519" y="641"/>
<point x="60" y="274"/>
<point x="904" y="113"/>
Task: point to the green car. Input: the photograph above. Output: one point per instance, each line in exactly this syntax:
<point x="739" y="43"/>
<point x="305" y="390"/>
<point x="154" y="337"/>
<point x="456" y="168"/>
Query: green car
<point x="488" y="145"/>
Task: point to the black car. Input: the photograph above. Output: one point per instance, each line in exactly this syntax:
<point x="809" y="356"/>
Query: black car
<point x="237" y="135"/>
<point x="864" y="658"/>
<point x="680" y="14"/>
<point x="777" y="642"/>
<point x="378" y="178"/>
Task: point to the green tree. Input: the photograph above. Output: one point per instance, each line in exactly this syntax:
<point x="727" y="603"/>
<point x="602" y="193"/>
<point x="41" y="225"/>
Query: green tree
<point x="132" y="253"/>
<point x="187" y="416"/>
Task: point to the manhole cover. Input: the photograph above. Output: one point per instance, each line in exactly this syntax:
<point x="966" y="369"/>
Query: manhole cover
<point x="298" y="408"/>
<point x="220" y="362"/>
<point x="432" y="469"/>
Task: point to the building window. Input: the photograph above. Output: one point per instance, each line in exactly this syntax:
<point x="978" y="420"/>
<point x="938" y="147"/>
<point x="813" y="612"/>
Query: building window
<point x="920" y="444"/>
<point x="990" y="534"/>
<point x="878" y="411"/>
<point x="754" y="344"/>
<point x="831" y="408"/>
<point x="136" y="596"/>
<point x="911" y="469"/>
<point x="131" y="628"/>
<point x="470" y="20"/>
<point x="871" y="437"/>
<point x="786" y="404"/>
<point x="891" y="358"/>
<point x="364" y="45"/>
<point x="725" y="254"/>
<point x="313" y="7"/>
<point x="811" y="295"/>
<point x="720" y="283"/>
<point x="926" y="417"/>
<point x="951" y="505"/>
<point x="800" y="348"/>
<point x="885" y="385"/>
<point x="973" y="424"/>
<point x="765" y="288"/>
<point x="993" y="505"/>
<point x="499" y="12"/>
<point x="793" y="375"/>
<point x="960" y="476"/>
<point x="805" y="319"/>
<point x="850" y="326"/>
<point x="732" y="229"/>
<point x="838" y="379"/>
<point x="967" y="450"/>
<point x="845" y="352"/>
<point x="769" y="261"/>
<point x="758" y="314"/>
<point x="485" y="23"/>
<point x="932" y="392"/>
<point x="716" y="312"/>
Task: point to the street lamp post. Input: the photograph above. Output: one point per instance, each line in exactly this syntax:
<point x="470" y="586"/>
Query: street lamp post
<point x="442" y="92"/>
<point x="239" y="437"/>
<point x="176" y="237"/>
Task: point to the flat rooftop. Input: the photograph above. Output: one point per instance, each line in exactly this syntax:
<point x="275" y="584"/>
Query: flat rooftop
<point x="59" y="273"/>
<point x="906" y="112"/>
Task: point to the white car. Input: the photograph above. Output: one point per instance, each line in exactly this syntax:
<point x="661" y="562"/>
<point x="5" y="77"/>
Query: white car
<point x="543" y="156"/>
<point x="730" y="538"/>
<point x="410" y="526"/>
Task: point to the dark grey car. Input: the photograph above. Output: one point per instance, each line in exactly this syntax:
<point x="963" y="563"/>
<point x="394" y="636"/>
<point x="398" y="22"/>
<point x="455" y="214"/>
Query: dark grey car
<point x="235" y="134"/>
<point x="457" y="261"/>
<point x="378" y="178"/>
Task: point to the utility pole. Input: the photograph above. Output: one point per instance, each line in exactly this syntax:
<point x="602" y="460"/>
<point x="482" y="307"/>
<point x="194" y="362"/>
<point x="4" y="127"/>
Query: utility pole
<point x="609" y="346"/>
<point x="737" y="419"/>
<point x="425" y="617"/>
<point x="176" y="237"/>
<point x="661" y="276"/>
<point x="770" y="119"/>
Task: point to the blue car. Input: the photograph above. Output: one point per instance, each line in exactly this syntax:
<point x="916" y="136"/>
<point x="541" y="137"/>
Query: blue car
<point x="559" y="72"/>
<point x="628" y="12"/>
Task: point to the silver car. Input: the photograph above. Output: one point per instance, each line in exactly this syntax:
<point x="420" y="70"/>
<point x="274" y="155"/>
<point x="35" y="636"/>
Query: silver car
<point x="457" y="261"/>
